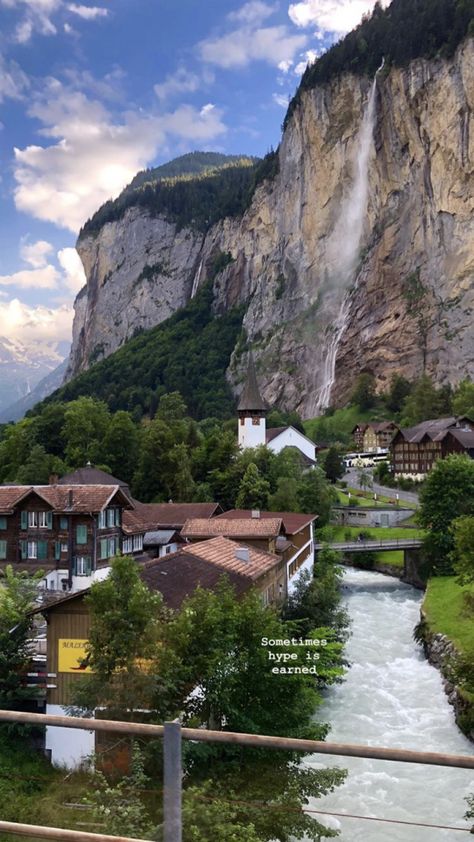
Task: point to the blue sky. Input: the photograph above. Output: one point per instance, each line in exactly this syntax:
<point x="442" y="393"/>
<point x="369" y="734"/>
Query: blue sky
<point x="92" y="92"/>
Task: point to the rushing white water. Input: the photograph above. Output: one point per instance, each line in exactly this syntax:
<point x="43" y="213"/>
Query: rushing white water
<point x="343" y="250"/>
<point x="196" y="280"/>
<point x="391" y="697"/>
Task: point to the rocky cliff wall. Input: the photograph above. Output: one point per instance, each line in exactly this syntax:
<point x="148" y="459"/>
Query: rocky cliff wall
<point x="410" y="290"/>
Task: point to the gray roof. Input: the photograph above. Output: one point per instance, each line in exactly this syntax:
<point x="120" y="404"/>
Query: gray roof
<point x="251" y="398"/>
<point x="88" y="475"/>
<point x="158" y="537"/>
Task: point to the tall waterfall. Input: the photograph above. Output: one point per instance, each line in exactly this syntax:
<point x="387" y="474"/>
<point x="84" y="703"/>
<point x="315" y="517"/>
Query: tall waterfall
<point x="345" y="241"/>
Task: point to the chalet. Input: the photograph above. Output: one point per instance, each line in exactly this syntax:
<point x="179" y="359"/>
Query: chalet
<point x="176" y="577"/>
<point x="288" y="534"/>
<point x="252" y="412"/>
<point x="414" y="450"/>
<point x="374" y="436"/>
<point x="142" y="524"/>
<point x="70" y="532"/>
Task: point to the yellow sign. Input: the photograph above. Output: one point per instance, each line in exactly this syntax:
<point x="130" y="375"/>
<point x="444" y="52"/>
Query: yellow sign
<point x="71" y="655"/>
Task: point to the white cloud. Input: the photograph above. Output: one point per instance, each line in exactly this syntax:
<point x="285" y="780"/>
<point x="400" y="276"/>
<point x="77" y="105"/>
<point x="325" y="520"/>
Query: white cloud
<point x="253" y="12"/>
<point x="45" y="278"/>
<point x="94" y="156"/>
<point x="309" y="57"/>
<point x="281" y="100"/>
<point x="39" y="324"/>
<point x="13" y="81"/>
<point x="37" y="17"/>
<point x="272" y="44"/>
<point x="36" y="254"/>
<point x="284" y="66"/>
<point x="88" y="12"/>
<point x="182" y="81"/>
<point x="71" y="264"/>
<point x="338" y="16"/>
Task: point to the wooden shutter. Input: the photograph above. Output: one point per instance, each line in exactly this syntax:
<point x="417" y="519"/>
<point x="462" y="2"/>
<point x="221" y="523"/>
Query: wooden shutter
<point x="24" y="548"/>
<point x="49" y="520"/>
<point x="3" y="522"/>
<point x="24" y="520"/>
<point x="3" y="549"/>
<point x="42" y="551"/>
<point x="57" y="550"/>
<point x="81" y="534"/>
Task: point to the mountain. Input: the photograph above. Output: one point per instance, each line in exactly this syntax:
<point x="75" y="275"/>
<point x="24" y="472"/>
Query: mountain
<point x="43" y="388"/>
<point x="23" y="366"/>
<point x="351" y="248"/>
<point x="193" y="163"/>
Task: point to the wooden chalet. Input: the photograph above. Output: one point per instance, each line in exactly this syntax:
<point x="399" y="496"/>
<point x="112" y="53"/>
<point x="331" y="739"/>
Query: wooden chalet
<point x="415" y="450"/>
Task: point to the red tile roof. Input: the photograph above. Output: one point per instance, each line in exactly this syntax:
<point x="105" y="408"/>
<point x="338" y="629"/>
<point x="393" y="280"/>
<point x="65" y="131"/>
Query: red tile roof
<point x="85" y="498"/>
<point x="293" y="522"/>
<point x="147" y="516"/>
<point x="222" y="553"/>
<point x="245" y="527"/>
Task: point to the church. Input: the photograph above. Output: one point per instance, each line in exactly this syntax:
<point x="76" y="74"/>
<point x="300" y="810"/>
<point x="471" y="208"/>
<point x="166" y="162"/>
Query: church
<point x="252" y="411"/>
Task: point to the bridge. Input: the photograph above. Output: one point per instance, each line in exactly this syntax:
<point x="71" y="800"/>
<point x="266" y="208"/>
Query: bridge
<point x="366" y="544"/>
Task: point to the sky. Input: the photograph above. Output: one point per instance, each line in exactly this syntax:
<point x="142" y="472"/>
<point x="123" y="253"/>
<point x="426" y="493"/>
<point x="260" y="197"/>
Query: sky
<point x="91" y="94"/>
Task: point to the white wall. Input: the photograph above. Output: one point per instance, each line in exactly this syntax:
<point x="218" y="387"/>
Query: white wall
<point x="53" y="579"/>
<point x="250" y="434"/>
<point x="292" y="438"/>
<point x="69" y="746"/>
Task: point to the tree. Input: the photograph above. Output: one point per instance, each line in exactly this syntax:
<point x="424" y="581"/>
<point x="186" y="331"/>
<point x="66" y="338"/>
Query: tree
<point x="120" y="446"/>
<point x="423" y="403"/>
<point x="123" y="643"/>
<point x="364" y="479"/>
<point x="399" y="390"/>
<point x="153" y="470"/>
<point x="15" y="448"/>
<point x="171" y="408"/>
<point x="253" y="490"/>
<point x="39" y="466"/>
<point x="315" y="495"/>
<point x="17" y="600"/>
<point x="364" y="394"/>
<point x="463" y="531"/>
<point x="448" y="493"/>
<point x="85" y="426"/>
<point x="333" y="465"/>
<point x="316" y="598"/>
<point x="463" y="399"/>
<point x="181" y="483"/>
<point x="285" y="498"/>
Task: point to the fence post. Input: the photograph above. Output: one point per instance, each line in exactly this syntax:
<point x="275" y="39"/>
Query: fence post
<point x="172" y="768"/>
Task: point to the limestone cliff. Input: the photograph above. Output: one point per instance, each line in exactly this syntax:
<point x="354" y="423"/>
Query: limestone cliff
<point x="409" y="292"/>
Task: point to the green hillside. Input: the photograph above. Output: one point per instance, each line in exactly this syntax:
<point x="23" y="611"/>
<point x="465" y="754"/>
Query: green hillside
<point x="189" y="352"/>
<point x="405" y="30"/>
<point x="193" y="163"/>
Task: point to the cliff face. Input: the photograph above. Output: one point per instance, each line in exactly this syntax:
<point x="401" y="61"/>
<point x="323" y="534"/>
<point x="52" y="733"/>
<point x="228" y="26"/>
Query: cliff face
<point x="408" y="282"/>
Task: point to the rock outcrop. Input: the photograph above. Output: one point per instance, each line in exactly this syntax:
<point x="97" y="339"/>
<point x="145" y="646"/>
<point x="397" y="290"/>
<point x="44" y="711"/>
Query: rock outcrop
<point x="410" y="292"/>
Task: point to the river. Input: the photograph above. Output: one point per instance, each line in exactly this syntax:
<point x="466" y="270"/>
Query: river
<point x="391" y="697"/>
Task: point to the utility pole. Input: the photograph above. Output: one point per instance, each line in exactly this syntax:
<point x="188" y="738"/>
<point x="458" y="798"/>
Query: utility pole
<point x="172" y="768"/>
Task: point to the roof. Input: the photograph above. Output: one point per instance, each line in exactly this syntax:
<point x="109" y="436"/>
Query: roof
<point x="152" y="516"/>
<point x="91" y="476"/>
<point x="245" y="527"/>
<point x="273" y="432"/>
<point x="160" y="537"/>
<point x="251" y="399"/>
<point x="464" y="437"/>
<point x="74" y="499"/>
<point x="222" y="553"/>
<point x="293" y="522"/>
<point x="434" y="429"/>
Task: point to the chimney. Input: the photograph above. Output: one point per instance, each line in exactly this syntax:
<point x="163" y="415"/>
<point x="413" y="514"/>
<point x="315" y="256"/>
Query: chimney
<point x="242" y="554"/>
<point x="256" y="514"/>
<point x="53" y="479"/>
<point x="70" y="499"/>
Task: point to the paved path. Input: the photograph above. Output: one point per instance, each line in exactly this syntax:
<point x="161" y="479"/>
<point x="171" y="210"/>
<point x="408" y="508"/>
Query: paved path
<point x="351" y="478"/>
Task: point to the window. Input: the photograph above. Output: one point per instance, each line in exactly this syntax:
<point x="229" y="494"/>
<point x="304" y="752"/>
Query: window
<point x="112" y="546"/>
<point x="63" y="523"/>
<point x="82" y="565"/>
<point x="3" y="522"/>
<point x="45" y="520"/>
<point x="127" y="545"/>
<point x="103" y="548"/>
<point x="101" y="520"/>
<point x="32" y="519"/>
<point x="107" y="547"/>
<point x="81" y="534"/>
<point x="256" y="422"/>
<point x="137" y="543"/>
<point x="242" y="421"/>
<point x="167" y="549"/>
<point x="64" y="548"/>
<point x="32" y="549"/>
<point x="3" y="549"/>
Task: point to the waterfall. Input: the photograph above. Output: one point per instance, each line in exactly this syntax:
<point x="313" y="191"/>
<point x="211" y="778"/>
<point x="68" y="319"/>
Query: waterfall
<point x="343" y="249"/>
<point x="196" y="280"/>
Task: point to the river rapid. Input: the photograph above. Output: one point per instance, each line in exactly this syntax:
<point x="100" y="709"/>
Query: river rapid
<point x="391" y="697"/>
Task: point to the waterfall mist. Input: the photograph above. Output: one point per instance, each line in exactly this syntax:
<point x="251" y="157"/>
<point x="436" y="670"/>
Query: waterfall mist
<point x="343" y="249"/>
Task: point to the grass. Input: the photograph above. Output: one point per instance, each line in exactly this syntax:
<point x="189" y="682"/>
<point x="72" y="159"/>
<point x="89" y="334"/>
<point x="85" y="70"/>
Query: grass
<point x="339" y="533"/>
<point x="381" y="499"/>
<point x="393" y="557"/>
<point x="447" y="613"/>
<point x="339" y="425"/>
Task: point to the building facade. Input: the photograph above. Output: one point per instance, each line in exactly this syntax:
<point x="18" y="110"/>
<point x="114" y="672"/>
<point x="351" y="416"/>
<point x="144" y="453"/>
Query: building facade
<point x="374" y="436"/>
<point x="415" y="450"/>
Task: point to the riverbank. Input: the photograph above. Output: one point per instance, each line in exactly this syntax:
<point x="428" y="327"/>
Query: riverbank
<point x="446" y="631"/>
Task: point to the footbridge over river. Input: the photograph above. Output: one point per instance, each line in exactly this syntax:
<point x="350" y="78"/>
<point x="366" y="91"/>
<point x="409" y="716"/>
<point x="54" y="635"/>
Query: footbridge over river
<point x="412" y="568"/>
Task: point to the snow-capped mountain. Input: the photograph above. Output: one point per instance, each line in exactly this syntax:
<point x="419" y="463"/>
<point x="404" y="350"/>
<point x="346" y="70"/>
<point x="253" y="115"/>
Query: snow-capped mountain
<point x="23" y="365"/>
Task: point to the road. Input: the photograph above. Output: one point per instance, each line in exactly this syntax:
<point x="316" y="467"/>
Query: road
<point x="351" y="477"/>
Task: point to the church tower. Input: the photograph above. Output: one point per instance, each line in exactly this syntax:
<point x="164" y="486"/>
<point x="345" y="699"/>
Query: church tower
<point x="252" y="411"/>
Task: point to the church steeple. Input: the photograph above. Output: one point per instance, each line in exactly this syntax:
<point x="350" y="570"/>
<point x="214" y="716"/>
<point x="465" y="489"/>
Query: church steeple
<point x="252" y="411"/>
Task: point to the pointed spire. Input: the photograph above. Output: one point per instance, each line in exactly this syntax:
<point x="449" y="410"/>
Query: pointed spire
<point x="251" y="399"/>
